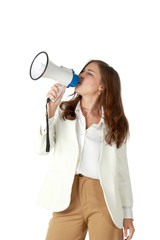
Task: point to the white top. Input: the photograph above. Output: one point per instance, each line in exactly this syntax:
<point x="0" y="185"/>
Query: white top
<point x="89" y="145"/>
<point x="89" y="148"/>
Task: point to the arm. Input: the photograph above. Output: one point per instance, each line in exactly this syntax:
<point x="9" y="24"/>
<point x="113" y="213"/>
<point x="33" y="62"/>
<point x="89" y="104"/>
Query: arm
<point x="40" y="138"/>
<point x="125" y="188"/>
<point x="127" y="212"/>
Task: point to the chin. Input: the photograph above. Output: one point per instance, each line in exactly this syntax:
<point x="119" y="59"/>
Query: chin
<point x="76" y="86"/>
<point x="76" y="91"/>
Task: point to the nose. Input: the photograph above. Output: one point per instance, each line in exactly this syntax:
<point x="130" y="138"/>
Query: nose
<point x="81" y="75"/>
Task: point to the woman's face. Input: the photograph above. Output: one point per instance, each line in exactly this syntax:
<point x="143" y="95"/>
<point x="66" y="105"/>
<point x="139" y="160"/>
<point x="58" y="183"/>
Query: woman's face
<point x="90" y="80"/>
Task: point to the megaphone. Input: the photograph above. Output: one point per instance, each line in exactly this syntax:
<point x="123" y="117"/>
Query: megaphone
<point x="41" y="66"/>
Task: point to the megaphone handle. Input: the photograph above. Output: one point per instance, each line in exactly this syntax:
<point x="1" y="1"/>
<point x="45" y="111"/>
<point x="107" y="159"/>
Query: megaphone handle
<point x="59" y="93"/>
<point x="47" y="126"/>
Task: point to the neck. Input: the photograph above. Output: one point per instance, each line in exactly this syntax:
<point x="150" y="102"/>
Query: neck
<point x="90" y="107"/>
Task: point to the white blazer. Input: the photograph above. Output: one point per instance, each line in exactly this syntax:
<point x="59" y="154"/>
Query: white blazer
<point x="55" y="192"/>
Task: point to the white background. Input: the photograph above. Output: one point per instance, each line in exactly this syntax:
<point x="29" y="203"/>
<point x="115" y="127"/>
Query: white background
<point x="125" y="34"/>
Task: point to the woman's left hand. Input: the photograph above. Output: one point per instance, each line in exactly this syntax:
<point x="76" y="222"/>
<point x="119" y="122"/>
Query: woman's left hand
<point x="128" y="224"/>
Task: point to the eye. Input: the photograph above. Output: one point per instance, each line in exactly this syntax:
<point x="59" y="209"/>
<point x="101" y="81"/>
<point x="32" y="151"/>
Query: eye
<point x="90" y="74"/>
<point x="87" y="73"/>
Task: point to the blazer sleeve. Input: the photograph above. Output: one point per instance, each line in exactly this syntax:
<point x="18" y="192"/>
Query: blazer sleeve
<point x="124" y="180"/>
<point x="41" y="134"/>
<point x="127" y="212"/>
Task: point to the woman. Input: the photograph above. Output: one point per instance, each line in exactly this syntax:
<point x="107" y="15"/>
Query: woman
<point x="88" y="185"/>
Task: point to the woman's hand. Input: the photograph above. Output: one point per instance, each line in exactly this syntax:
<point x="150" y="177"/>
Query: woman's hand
<point x="128" y="224"/>
<point x="52" y="94"/>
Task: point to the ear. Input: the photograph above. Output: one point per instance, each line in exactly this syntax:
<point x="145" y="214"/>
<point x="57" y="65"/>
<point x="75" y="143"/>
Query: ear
<point x="101" y="88"/>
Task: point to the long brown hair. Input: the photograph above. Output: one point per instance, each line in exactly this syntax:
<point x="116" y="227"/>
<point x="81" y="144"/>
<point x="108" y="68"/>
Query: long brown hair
<point x="114" y="117"/>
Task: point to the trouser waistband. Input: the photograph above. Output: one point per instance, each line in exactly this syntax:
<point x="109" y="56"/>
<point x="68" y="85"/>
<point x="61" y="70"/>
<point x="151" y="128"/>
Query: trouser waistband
<point x="79" y="175"/>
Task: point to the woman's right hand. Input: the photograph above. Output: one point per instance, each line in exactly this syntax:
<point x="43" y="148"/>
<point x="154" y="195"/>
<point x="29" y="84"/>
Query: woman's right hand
<point x="52" y="106"/>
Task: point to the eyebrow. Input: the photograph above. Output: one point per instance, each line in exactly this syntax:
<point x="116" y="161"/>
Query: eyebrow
<point x="90" y="70"/>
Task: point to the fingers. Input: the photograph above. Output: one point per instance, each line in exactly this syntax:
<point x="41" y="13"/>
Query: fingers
<point x="64" y="88"/>
<point x="56" y="86"/>
<point x="53" y="92"/>
<point x="128" y="225"/>
<point x="131" y="232"/>
<point x="125" y="232"/>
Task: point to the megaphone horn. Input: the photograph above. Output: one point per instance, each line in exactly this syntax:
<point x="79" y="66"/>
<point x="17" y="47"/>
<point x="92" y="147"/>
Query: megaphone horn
<point x="41" y="66"/>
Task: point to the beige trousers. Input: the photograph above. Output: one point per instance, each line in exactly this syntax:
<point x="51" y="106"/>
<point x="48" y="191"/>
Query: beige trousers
<point x="87" y="211"/>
